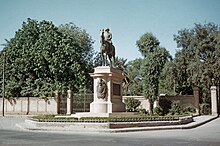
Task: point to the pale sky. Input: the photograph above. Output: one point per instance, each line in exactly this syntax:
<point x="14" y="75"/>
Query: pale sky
<point x="127" y="19"/>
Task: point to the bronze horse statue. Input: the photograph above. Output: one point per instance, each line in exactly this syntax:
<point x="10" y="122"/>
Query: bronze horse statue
<point x="106" y="49"/>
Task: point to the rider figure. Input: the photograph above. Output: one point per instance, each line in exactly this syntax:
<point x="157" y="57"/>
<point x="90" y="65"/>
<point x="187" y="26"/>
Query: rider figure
<point x="108" y="36"/>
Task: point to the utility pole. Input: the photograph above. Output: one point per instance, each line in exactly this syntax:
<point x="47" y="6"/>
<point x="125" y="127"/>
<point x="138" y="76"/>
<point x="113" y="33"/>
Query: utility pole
<point x="3" y="86"/>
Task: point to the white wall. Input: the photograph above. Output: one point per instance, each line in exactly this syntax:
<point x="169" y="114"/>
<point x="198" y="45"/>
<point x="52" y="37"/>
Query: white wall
<point x="31" y="106"/>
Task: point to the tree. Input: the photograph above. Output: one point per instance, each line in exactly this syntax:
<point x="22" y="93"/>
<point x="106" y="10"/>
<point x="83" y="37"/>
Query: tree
<point x="147" y="44"/>
<point x="134" y="85"/>
<point x="42" y="58"/>
<point x="120" y="63"/>
<point x="155" y="57"/>
<point x="197" y="63"/>
<point x="167" y="80"/>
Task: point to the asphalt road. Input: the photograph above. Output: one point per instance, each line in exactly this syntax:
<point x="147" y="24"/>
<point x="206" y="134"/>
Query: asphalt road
<point x="206" y="135"/>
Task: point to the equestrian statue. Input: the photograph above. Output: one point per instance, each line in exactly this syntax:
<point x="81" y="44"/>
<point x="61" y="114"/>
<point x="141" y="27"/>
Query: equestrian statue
<point x="107" y="48"/>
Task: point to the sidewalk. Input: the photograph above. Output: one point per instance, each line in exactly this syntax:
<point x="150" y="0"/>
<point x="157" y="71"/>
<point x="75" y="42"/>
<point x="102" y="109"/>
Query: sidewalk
<point x="31" y="125"/>
<point x="198" y="121"/>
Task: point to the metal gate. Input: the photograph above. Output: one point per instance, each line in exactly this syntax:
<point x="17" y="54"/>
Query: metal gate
<point x="81" y="102"/>
<point x="62" y="104"/>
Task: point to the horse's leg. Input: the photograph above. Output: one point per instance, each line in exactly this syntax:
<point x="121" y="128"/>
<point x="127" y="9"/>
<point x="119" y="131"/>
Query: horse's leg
<point x="112" y="56"/>
<point x="113" y="60"/>
<point x="106" y="60"/>
<point x="110" y="59"/>
<point x="102" y="58"/>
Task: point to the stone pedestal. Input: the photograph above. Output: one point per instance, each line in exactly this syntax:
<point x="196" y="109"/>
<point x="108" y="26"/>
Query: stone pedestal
<point x="107" y="90"/>
<point x="214" y="100"/>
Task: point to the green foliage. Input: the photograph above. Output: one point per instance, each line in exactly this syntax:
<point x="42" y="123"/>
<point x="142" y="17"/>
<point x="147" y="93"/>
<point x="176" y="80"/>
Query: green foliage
<point x="42" y="58"/>
<point x="165" y="106"/>
<point x="97" y="61"/>
<point x="197" y="63"/>
<point x="166" y="82"/>
<point x="142" y="111"/>
<point x="134" y="85"/>
<point x="147" y="44"/>
<point x="205" y="108"/>
<point x="151" y="70"/>
<point x="158" y="111"/>
<point x="132" y="104"/>
<point x="52" y="118"/>
<point x="120" y="63"/>
<point x="189" y="110"/>
<point x="176" y="108"/>
<point x="155" y="57"/>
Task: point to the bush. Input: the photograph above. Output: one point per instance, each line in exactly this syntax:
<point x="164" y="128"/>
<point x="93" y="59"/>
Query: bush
<point x="138" y="118"/>
<point x="158" y="111"/>
<point x="132" y="104"/>
<point x="165" y="105"/>
<point x="142" y="111"/>
<point x="176" y="109"/>
<point x="205" y="109"/>
<point x="189" y="110"/>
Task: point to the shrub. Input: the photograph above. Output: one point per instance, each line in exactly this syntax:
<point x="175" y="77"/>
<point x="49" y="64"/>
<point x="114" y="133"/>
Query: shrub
<point x="138" y="118"/>
<point x="165" y="105"/>
<point x="176" y="109"/>
<point x="189" y="110"/>
<point x="142" y="111"/>
<point x="132" y="104"/>
<point x="205" y="109"/>
<point x="158" y="111"/>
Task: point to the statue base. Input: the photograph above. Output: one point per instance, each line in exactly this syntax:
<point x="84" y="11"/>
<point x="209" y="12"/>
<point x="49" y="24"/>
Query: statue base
<point x="112" y="101"/>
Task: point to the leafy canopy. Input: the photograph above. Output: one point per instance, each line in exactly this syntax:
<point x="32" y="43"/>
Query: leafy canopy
<point x="197" y="63"/>
<point x="42" y="58"/>
<point x="155" y="57"/>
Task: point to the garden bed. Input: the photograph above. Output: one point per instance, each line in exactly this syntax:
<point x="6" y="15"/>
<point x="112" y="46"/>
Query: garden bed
<point x="114" y="122"/>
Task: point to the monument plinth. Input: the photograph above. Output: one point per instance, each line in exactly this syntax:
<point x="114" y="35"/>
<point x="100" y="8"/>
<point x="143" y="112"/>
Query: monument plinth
<point x="107" y="90"/>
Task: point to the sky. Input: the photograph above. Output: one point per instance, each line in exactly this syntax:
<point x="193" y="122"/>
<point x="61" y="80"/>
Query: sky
<point x="128" y="20"/>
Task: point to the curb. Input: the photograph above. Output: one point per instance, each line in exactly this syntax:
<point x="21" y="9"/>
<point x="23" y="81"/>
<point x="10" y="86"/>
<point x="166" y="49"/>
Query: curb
<point x="199" y="121"/>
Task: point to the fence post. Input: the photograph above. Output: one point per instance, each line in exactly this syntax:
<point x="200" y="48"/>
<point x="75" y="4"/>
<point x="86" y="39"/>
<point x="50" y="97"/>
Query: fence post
<point x="28" y="105"/>
<point x="196" y="99"/>
<point x="214" y="100"/>
<point x="69" y="102"/>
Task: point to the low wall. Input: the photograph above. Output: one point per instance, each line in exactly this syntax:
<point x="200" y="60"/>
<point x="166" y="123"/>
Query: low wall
<point x="185" y="101"/>
<point x="34" y="105"/>
<point x="29" y="106"/>
<point x="144" y="102"/>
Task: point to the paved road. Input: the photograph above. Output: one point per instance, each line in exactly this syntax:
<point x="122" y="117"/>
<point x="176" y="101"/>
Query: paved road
<point x="206" y="135"/>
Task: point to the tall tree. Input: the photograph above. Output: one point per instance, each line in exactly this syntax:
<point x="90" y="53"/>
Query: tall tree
<point x="147" y="44"/>
<point x="155" y="57"/>
<point x="42" y="58"/>
<point x="197" y="63"/>
<point x="167" y="82"/>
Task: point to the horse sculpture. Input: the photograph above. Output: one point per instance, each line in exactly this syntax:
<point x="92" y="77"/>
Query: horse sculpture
<point x="106" y="49"/>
